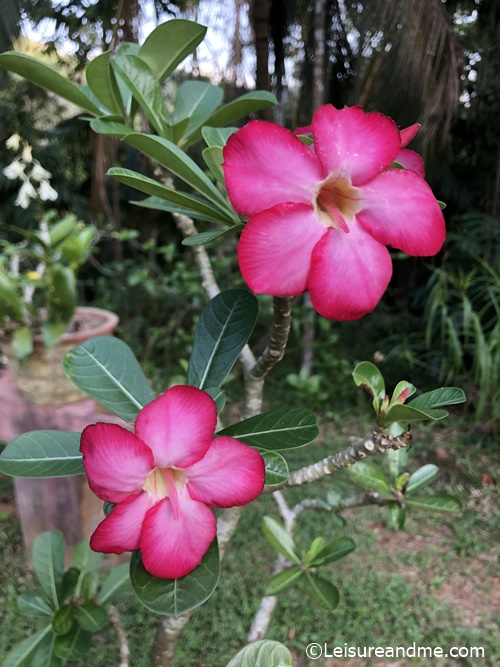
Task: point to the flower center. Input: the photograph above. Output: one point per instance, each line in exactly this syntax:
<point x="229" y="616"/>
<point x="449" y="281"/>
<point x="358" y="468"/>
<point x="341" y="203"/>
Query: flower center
<point x="166" y="483"/>
<point x="337" y="202"/>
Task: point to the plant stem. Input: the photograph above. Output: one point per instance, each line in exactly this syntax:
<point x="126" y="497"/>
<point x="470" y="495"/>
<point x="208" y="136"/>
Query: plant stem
<point x="116" y="622"/>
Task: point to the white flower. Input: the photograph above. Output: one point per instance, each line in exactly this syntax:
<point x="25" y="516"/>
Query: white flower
<point x="13" y="142"/>
<point x="38" y="173"/>
<point x="26" y="192"/>
<point x="46" y="191"/>
<point x="14" y="170"/>
<point x="26" y="156"/>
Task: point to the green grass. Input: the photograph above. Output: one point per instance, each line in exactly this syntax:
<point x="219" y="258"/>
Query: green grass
<point x="431" y="584"/>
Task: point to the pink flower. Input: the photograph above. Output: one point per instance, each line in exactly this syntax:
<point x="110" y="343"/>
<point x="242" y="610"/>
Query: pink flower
<point x="320" y="220"/>
<point x="164" y="477"/>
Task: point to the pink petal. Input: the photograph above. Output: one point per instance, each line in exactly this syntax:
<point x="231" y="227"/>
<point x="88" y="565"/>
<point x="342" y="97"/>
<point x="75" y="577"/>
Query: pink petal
<point x="349" y="274"/>
<point x="121" y="529"/>
<point x="171" y="548"/>
<point x="274" y="251"/>
<point x="353" y="143"/>
<point x="115" y="460"/>
<point x="400" y="210"/>
<point x="178" y="426"/>
<point x="230" y="474"/>
<point x="408" y="134"/>
<point x="265" y="165"/>
<point x="411" y="160"/>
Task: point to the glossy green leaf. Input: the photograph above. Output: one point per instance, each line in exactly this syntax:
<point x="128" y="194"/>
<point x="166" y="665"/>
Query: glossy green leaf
<point x="396" y="516"/>
<point x="221" y="333"/>
<point x="276" y="430"/>
<point x="407" y="413"/>
<point x="213" y="159"/>
<point x="116" y="583"/>
<point x="437" y="503"/>
<point x="218" y="395"/>
<point x="181" y="199"/>
<point x="206" y="237"/>
<point x="102" y="82"/>
<point x="111" y="128"/>
<point x="195" y="101"/>
<point x="91" y="617"/>
<point x="176" y="161"/>
<point x="161" y="205"/>
<point x="22" y="342"/>
<point x="279" y="538"/>
<point x="238" y="108"/>
<point x="321" y="591"/>
<point x="44" y="76"/>
<point x="370" y="475"/>
<point x="217" y="136"/>
<point x="31" y="604"/>
<point x="173" y="597"/>
<point x="23" y="653"/>
<point x="316" y="546"/>
<point x="74" y="645"/>
<point x="169" y="43"/>
<point x="263" y="653"/>
<point x="333" y="551"/>
<point x="11" y="302"/>
<point x="129" y="103"/>
<point x="438" y="398"/>
<point x="48" y="553"/>
<point x="400" y="387"/>
<point x="276" y="468"/>
<point x="89" y="586"/>
<point x="396" y="461"/>
<point x="84" y="559"/>
<point x="62" y="621"/>
<point x="422" y="477"/>
<point x="43" y="454"/>
<point x="368" y="376"/>
<point x="105" y="368"/>
<point x="283" y="581"/>
<point x="44" y="656"/>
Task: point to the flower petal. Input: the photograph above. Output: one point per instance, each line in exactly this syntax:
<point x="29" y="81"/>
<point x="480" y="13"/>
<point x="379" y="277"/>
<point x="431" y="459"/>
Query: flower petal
<point x="265" y="165"/>
<point x="353" y="143"/>
<point x="349" y="274"/>
<point x="115" y="460"/>
<point x="178" y="426"/>
<point x="408" y="134"/>
<point x="230" y="474"/>
<point x="400" y="210"/>
<point x="274" y="251"/>
<point x="411" y="160"/>
<point x="121" y="529"/>
<point x="171" y="548"/>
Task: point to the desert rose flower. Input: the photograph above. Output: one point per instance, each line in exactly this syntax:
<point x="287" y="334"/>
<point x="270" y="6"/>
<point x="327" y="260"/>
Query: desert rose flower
<point x="320" y="219"/>
<point x="165" y="477"/>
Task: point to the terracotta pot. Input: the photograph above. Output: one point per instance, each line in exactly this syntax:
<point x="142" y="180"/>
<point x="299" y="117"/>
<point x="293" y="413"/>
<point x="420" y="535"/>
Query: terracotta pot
<point x="40" y="377"/>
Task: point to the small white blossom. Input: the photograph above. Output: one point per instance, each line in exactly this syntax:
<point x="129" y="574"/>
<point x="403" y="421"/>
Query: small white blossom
<point x="14" y="170"/>
<point x="46" y="191"/>
<point x="26" y="155"/>
<point x="13" y="142"/>
<point x="26" y="192"/>
<point x="38" y="173"/>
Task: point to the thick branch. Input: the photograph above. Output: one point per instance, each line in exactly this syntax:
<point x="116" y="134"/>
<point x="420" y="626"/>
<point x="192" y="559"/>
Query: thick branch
<point x="116" y="622"/>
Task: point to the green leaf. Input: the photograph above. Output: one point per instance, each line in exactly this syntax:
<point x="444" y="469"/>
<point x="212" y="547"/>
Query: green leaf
<point x="316" y="545"/>
<point x="438" y="503"/>
<point x="195" y="101"/>
<point x="438" y="397"/>
<point x="333" y="551"/>
<point x="22" y="342"/>
<point x="206" y="237"/>
<point x="176" y="161"/>
<point x="105" y="368"/>
<point x="102" y="82"/>
<point x="22" y="654"/>
<point x="145" y="89"/>
<point x="218" y="395"/>
<point x="400" y="387"/>
<point x="111" y="128"/>
<point x="116" y="583"/>
<point x="173" y="597"/>
<point x="69" y="584"/>
<point x="43" y="454"/>
<point x="181" y="199"/>
<point x="169" y="44"/>
<point x="91" y="617"/>
<point x="129" y="103"/>
<point x="44" y="76"/>
<point x="213" y="159"/>
<point x="84" y="559"/>
<point x="422" y="477"/>
<point x="73" y="646"/>
<point x="217" y="136"/>
<point x="221" y="333"/>
<point x="276" y="468"/>
<point x="44" y="656"/>
<point x="276" y="430"/>
<point x="63" y="620"/>
<point x="12" y="300"/>
<point x="263" y="653"/>
<point x="162" y="205"/>
<point x="396" y="516"/>
<point x="322" y="592"/>
<point x="396" y="460"/>
<point x="279" y="538"/>
<point x="89" y="586"/>
<point x="31" y="604"/>
<point x="48" y="553"/>
<point x="372" y="476"/>
<point x="368" y="376"/>
<point x="238" y="108"/>
<point x="283" y="581"/>
<point x="408" y="413"/>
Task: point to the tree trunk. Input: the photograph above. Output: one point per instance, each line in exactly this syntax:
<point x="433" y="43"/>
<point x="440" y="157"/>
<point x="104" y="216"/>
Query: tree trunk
<point x="260" y="24"/>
